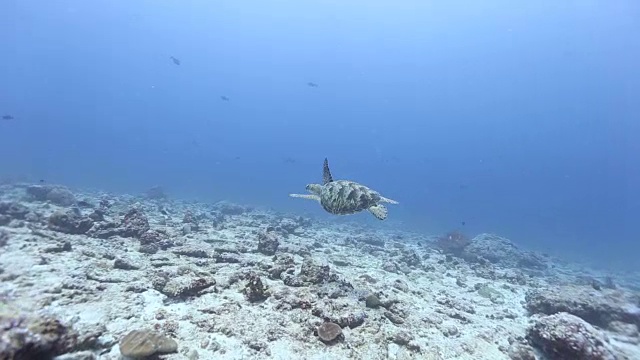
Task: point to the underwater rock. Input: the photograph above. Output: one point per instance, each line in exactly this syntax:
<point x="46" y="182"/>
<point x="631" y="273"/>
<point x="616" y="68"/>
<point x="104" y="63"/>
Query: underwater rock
<point x="227" y="258"/>
<point x="140" y="344"/>
<point x="227" y="208"/>
<point x="565" y="336"/>
<point x="153" y="240"/>
<point x="12" y="211"/>
<point x="193" y="252"/>
<point x="501" y="251"/>
<point x="33" y="337"/>
<point x="329" y="332"/>
<point x="268" y="242"/>
<point x="57" y="195"/>
<point x="402" y="338"/>
<point x="310" y="273"/>
<point x="287" y="226"/>
<point x="104" y="230"/>
<point x="314" y="273"/>
<point x="156" y="193"/>
<point x="190" y="219"/>
<point x="490" y="293"/>
<point x="124" y="264"/>
<point x="410" y="258"/>
<point x="453" y="243"/>
<point x="186" y="286"/>
<point x="519" y="351"/>
<point x="69" y="222"/>
<point x="134" y="223"/>
<point x="217" y="220"/>
<point x="369" y="239"/>
<point x="394" y="318"/>
<point x="97" y="215"/>
<point x="282" y="263"/>
<point x="255" y="291"/>
<point x="372" y="301"/>
<point x="599" y="308"/>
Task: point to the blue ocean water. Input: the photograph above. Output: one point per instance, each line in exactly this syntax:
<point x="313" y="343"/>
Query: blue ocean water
<point x="518" y="118"/>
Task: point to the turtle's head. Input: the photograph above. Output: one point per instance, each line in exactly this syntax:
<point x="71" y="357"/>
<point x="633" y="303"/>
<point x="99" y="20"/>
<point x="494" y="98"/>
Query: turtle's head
<point x="314" y="188"/>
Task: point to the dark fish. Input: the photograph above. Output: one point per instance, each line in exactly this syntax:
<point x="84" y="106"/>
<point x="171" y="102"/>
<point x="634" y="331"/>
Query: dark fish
<point x="175" y="61"/>
<point x="312" y="84"/>
<point x="224" y="98"/>
<point x="7" y="117"/>
<point x="41" y="181"/>
<point x="464" y="223"/>
<point x="289" y="160"/>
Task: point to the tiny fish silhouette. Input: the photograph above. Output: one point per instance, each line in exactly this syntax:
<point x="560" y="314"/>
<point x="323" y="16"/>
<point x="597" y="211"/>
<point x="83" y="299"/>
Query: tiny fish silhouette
<point x="7" y="117"/>
<point x="175" y="61"/>
<point x="312" y="84"/>
<point x="464" y="223"/>
<point x="224" y="98"/>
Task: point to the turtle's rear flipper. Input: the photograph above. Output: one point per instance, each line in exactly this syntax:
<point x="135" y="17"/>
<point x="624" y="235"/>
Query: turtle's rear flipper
<point x="326" y="173"/>
<point x="306" y="196"/>
<point x="379" y="211"/>
<point x="387" y="200"/>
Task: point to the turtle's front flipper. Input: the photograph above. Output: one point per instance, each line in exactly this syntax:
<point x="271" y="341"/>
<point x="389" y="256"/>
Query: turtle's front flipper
<point x="379" y="211"/>
<point x="306" y="196"/>
<point x="384" y="199"/>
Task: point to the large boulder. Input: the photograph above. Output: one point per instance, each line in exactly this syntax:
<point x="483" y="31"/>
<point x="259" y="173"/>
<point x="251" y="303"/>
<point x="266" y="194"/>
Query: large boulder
<point x="501" y="251"/>
<point x="598" y="307"/>
<point x="564" y="336"/>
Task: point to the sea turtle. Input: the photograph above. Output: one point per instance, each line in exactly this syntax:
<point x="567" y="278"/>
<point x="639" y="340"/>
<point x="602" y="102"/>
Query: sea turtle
<point x="343" y="197"/>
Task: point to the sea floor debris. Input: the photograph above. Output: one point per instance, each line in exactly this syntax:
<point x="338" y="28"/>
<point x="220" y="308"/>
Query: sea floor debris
<point x="92" y="276"/>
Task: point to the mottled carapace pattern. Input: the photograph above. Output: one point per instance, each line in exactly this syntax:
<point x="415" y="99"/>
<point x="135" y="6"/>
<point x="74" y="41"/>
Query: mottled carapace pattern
<point x="347" y="197"/>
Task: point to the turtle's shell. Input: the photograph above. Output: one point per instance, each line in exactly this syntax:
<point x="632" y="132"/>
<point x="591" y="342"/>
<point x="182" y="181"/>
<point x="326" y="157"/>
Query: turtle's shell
<point x="344" y="197"/>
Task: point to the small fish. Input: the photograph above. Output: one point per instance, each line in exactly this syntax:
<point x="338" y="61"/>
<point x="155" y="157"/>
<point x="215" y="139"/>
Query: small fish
<point x="7" y="117"/>
<point x="175" y="61"/>
<point x="464" y="223"/>
<point x="312" y="84"/>
<point x="224" y="98"/>
<point x="289" y="160"/>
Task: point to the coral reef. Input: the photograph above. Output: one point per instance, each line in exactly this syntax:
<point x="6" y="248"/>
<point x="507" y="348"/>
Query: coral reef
<point x="69" y="222"/>
<point x="268" y="242"/>
<point x="33" y="337"/>
<point x="453" y="243"/>
<point x="57" y="195"/>
<point x="113" y="276"/>
<point x="564" y="336"/>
